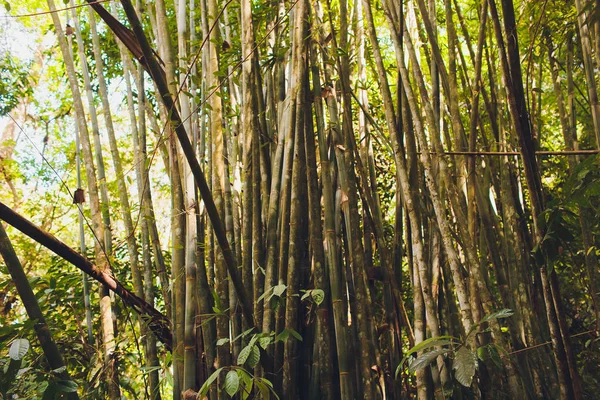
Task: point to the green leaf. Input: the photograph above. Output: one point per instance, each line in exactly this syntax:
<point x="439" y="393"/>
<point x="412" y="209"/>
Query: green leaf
<point x="465" y="363"/>
<point x="318" y="296"/>
<point x="264" y="342"/>
<point x="262" y="389"/>
<point x="504" y="313"/>
<point x="427" y="344"/>
<point x="218" y="305"/>
<point x="432" y="342"/>
<point x="10" y="371"/>
<point x="50" y="392"/>
<point x="254" y="357"/>
<point x="59" y="370"/>
<point x="147" y="370"/>
<point x="425" y="359"/>
<point x="206" y="386"/>
<point x="247" y="382"/>
<point x="265" y="294"/>
<point x="243" y="334"/>
<point x="7" y="6"/>
<point x="244" y="354"/>
<point x="66" y="386"/>
<point x="285" y="334"/>
<point x="232" y="383"/>
<point x="23" y="371"/>
<point x="18" y="349"/>
<point x="222" y="341"/>
<point x="279" y="289"/>
<point x="490" y="352"/>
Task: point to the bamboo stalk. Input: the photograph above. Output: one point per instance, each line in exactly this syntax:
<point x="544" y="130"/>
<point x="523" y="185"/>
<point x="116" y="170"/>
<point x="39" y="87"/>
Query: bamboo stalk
<point x="51" y="351"/>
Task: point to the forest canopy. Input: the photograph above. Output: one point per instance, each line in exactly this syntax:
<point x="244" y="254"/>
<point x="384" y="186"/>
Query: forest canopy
<point x="299" y="199"/>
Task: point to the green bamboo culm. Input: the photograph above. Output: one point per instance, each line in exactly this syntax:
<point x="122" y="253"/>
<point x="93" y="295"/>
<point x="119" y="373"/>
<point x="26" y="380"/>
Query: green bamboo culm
<point x="15" y="269"/>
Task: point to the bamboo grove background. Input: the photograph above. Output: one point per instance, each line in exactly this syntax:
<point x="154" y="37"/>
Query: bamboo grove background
<point x="324" y="199"/>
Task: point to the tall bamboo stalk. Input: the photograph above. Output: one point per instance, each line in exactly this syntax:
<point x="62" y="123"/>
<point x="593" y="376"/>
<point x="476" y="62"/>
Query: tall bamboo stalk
<point x="97" y="222"/>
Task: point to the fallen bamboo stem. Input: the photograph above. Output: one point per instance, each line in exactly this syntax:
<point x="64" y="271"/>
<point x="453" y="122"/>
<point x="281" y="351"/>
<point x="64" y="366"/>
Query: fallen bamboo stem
<point x="157" y="322"/>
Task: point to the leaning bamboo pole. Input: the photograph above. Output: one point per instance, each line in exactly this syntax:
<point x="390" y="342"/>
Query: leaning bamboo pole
<point x="157" y="322"/>
<point x="29" y="300"/>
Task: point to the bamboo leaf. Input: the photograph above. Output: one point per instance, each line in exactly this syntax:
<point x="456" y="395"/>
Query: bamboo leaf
<point x="265" y="294"/>
<point x="232" y="383"/>
<point x="464" y="364"/>
<point x="279" y="289"/>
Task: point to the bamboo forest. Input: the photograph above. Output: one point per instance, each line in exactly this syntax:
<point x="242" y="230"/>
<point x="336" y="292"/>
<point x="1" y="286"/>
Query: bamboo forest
<point x="299" y="199"/>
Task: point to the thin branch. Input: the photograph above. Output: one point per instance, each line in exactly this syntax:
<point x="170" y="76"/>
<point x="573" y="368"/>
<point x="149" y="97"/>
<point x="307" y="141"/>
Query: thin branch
<point x="58" y="10"/>
<point x="516" y="153"/>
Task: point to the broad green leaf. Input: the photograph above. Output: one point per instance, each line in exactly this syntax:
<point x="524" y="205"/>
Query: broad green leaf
<point x="264" y="342"/>
<point x="285" y="334"/>
<point x="318" y="296"/>
<point x="66" y="386"/>
<point x="11" y="369"/>
<point x="206" y="386"/>
<point x="59" y="370"/>
<point x="504" y="313"/>
<point x="489" y="352"/>
<point x="253" y="339"/>
<point x="427" y="344"/>
<point x="232" y="383"/>
<point x="50" y="392"/>
<point x="253" y="357"/>
<point x="464" y="364"/>
<point x="269" y="384"/>
<point x="18" y="349"/>
<point x="222" y="341"/>
<point x="425" y="359"/>
<point x="279" y="289"/>
<point x="23" y="371"/>
<point x="265" y="294"/>
<point x="295" y="334"/>
<point x="247" y="383"/>
<point x="243" y="334"/>
<point x="244" y="354"/>
<point x="432" y="342"/>
<point x="262" y="389"/>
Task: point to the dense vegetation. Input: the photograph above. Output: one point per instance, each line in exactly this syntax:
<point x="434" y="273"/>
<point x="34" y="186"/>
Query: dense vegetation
<point x="300" y="199"/>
